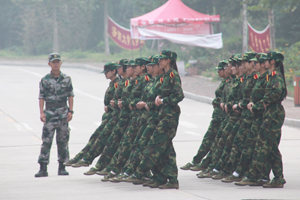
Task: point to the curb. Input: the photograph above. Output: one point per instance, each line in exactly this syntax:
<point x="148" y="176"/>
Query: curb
<point x="288" y="121"/>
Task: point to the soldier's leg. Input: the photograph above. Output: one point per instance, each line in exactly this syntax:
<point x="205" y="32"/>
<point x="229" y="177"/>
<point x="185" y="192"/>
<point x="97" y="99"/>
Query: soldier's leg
<point x="47" y="138"/>
<point x="92" y="139"/>
<point x="112" y="143"/>
<point x="62" y="139"/>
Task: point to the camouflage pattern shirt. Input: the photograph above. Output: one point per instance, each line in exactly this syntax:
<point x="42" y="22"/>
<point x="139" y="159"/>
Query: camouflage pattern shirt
<point x="140" y="84"/>
<point x="219" y="91"/>
<point x="258" y="93"/>
<point x="109" y="94"/>
<point x="56" y="90"/>
<point x="247" y="89"/>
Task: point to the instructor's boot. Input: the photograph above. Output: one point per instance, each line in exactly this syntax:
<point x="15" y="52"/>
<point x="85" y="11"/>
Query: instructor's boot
<point x="43" y="170"/>
<point x="62" y="170"/>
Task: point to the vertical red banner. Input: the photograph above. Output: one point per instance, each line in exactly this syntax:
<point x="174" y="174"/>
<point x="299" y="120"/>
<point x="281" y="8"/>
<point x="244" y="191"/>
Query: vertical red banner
<point x="122" y="37"/>
<point x="259" y="41"/>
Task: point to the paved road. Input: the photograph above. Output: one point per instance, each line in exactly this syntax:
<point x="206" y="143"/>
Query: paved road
<point x="20" y="144"/>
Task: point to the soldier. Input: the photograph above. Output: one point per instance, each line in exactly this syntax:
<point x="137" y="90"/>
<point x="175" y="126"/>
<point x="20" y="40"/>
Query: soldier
<point x="55" y="89"/>
<point x="214" y="126"/>
<point x="266" y="146"/>
<point x="160" y="147"/>
<point x="110" y="71"/>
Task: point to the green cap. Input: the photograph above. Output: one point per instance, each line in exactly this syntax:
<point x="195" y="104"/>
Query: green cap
<point x="275" y="55"/>
<point x="130" y="63"/>
<point x="110" y="66"/>
<point x="247" y="56"/>
<point x="54" y="56"/>
<point x="123" y="62"/>
<point x="141" y="61"/>
<point x="236" y="57"/>
<point x="260" y="57"/>
<point x="221" y="64"/>
<point x="168" y="54"/>
<point x="154" y="60"/>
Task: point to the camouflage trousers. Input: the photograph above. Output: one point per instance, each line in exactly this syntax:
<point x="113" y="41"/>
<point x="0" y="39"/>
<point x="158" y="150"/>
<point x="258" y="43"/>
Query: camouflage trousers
<point x="237" y="146"/>
<point x="228" y="146"/>
<point x="137" y="153"/>
<point x="245" y="159"/>
<point x="228" y="134"/>
<point x="266" y="146"/>
<point x="105" y="119"/>
<point x="113" y="142"/>
<point x="160" y="152"/>
<point x="126" y="145"/>
<point x="99" y="143"/>
<point x="209" y="136"/>
<point x="206" y="161"/>
<point x="62" y="139"/>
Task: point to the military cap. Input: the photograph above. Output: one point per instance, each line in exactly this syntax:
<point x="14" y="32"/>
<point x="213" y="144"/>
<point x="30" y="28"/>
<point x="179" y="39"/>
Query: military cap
<point x="110" y="66"/>
<point x="236" y="57"/>
<point x="54" y="56"/>
<point x="154" y="60"/>
<point x="141" y="61"/>
<point x="123" y="62"/>
<point x="275" y="55"/>
<point x="168" y="54"/>
<point x="130" y="63"/>
<point x="247" y="56"/>
<point x="260" y="57"/>
<point x="221" y="64"/>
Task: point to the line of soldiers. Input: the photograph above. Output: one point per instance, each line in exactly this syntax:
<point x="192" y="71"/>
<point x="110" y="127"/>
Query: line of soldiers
<point x="241" y="143"/>
<point x="140" y="121"/>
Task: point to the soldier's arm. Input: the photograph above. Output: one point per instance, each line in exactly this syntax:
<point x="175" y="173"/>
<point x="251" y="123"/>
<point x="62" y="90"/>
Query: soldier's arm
<point x="177" y="94"/>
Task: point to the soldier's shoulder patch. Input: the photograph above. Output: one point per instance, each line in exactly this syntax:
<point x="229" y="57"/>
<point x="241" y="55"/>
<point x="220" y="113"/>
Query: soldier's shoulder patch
<point x="267" y="77"/>
<point x="242" y="79"/>
<point x="126" y="83"/>
<point x="273" y="73"/>
<point x="136" y="81"/>
<point x="116" y="85"/>
<point x="255" y="76"/>
<point x="172" y="75"/>
<point x="161" y="80"/>
<point x="147" y="78"/>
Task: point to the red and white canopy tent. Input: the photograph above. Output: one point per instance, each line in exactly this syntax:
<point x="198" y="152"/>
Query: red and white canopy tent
<point x="178" y="23"/>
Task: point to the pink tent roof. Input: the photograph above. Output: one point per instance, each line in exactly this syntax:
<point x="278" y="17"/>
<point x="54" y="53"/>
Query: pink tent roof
<point x="173" y="12"/>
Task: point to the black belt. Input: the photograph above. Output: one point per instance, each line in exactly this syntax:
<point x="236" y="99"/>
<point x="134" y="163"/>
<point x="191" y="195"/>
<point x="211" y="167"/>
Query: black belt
<point x="56" y="105"/>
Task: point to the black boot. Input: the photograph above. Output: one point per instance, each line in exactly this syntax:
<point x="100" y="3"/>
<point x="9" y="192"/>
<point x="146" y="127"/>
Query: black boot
<point x="62" y="170"/>
<point x="43" y="170"/>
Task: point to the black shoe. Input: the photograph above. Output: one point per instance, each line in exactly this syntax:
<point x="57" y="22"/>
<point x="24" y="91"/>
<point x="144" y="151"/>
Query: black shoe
<point x="43" y="170"/>
<point x="62" y="170"/>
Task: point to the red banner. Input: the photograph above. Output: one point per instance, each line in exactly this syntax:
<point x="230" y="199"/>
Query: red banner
<point x="259" y="41"/>
<point x="122" y="36"/>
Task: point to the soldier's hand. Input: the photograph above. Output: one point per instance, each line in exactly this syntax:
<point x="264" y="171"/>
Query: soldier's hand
<point x="140" y="105"/>
<point x="234" y="108"/>
<point x="69" y="117"/>
<point x="158" y="101"/>
<point x="120" y="103"/>
<point x="249" y="106"/>
<point x="226" y="109"/>
<point x="147" y="108"/>
<point x="105" y="109"/>
<point x="240" y="105"/>
<point x="222" y="106"/>
<point x="251" y="110"/>
<point x="130" y="107"/>
<point x="112" y="103"/>
<point x="43" y="117"/>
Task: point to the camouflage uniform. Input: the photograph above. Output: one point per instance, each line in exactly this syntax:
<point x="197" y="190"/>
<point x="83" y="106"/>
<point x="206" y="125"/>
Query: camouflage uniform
<point x="266" y="146"/>
<point x="215" y="123"/>
<point x="160" y="147"/>
<point x="105" y="119"/>
<point x="150" y="119"/>
<point x="55" y="92"/>
<point x="257" y="94"/>
<point x="123" y="152"/>
<point x="114" y="139"/>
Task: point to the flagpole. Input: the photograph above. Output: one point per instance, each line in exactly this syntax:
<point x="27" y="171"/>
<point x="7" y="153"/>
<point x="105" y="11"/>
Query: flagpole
<point x="244" y="26"/>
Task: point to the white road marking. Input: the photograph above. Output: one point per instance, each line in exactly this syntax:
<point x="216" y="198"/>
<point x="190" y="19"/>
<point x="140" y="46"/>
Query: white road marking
<point x="97" y="123"/>
<point x="188" y="124"/>
<point x="27" y="126"/>
<point x="192" y="133"/>
<point x="72" y="127"/>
